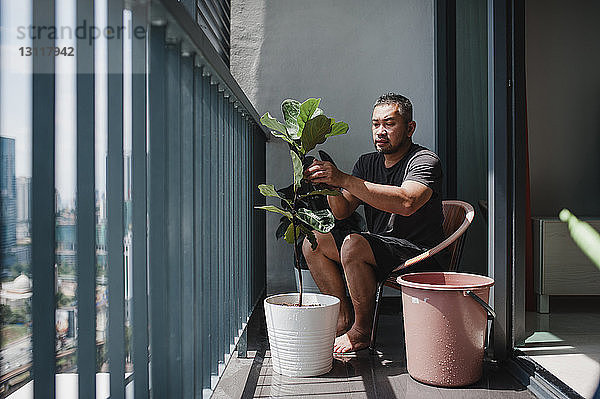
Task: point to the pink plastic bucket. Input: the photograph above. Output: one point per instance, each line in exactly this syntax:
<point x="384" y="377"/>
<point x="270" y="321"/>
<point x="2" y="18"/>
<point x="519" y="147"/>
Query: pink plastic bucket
<point x="445" y="326"/>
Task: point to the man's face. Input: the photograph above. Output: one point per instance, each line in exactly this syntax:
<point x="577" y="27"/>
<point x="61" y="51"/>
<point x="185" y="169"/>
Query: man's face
<point x="390" y="132"/>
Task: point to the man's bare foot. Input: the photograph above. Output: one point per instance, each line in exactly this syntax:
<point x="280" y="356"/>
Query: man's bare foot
<point x="353" y="340"/>
<point x="345" y="318"/>
<point x="343" y="325"/>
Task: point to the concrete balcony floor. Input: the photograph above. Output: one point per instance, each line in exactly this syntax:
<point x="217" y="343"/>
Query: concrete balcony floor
<point x="363" y="375"/>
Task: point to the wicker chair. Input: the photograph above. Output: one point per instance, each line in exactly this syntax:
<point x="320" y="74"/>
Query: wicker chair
<point x="458" y="215"/>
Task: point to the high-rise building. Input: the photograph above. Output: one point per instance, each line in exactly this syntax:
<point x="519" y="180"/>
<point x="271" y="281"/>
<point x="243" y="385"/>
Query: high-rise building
<point x="66" y="242"/>
<point x="23" y="199"/>
<point x="23" y="210"/>
<point x="8" y="203"/>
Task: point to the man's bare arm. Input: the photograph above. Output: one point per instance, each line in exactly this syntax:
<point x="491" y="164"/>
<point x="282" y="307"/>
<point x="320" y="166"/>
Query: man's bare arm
<point x="343" y="205"/>
<point x="404" y="200"/>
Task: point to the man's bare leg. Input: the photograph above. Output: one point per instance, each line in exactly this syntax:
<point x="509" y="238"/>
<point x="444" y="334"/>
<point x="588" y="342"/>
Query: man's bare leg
<point x="323" y="264"/>
<point x="358" y="260"/>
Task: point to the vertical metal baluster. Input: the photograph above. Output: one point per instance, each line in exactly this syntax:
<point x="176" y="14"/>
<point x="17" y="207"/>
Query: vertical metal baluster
<point x="187" y="222"/>
<point x="86" y="209"/>
<point x="220" y="236"/>
<point x="252" y="228"/>
<point x="114" y="190"/>
<point x="249" y="194"/>
<point x="139" y="208"/>
<point x="237" y="171"/>
<point x="245" y="213"/>
<point x="247" y="216"/>
<point x="43" y="223"/>
<point x="225" y="227"/>
<point x="215" y="305"/>
<point x="207" y="242"/>
<point x="173" y="193"/>
<point x="157" y="206"/>
<point x="258" y="226"/>
<point x="231" y="214"/>
<point x="199" y="214"/>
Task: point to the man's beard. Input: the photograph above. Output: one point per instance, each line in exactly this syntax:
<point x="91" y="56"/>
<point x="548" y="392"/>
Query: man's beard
<point x="391" y="150"/>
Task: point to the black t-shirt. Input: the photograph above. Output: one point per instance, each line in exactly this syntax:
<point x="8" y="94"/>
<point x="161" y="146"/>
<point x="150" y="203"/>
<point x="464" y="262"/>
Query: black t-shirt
<point x="424" y="227"/>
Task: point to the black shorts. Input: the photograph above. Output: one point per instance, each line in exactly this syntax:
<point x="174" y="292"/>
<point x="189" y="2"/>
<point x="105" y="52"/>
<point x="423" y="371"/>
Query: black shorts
<point x="391" y="252"/>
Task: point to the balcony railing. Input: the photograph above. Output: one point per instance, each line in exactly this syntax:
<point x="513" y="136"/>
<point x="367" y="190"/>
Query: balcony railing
<point x="169" y="251"/>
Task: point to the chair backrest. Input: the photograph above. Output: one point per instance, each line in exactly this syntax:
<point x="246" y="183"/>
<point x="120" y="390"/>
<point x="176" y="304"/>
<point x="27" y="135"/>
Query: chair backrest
<point x="458" y="216"/>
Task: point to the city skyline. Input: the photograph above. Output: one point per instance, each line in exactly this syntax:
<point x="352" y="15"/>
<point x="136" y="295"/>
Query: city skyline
<point x="16" y="116"/>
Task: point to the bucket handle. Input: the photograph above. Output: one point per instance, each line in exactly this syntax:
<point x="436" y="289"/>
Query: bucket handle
<point x="488" y="308"/>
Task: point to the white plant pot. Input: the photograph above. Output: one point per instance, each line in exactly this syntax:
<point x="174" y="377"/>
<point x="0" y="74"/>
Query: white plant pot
<point x="301" y="338"/>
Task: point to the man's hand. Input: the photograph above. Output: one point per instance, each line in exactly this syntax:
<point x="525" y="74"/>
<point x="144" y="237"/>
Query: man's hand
<point x="325" y="172"/>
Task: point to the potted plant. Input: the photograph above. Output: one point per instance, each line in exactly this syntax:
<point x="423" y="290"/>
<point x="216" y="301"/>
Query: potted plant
<point x="301" y="328"/>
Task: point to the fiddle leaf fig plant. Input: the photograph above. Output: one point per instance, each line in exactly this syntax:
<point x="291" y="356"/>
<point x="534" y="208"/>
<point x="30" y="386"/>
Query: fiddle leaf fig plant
<point x="302" y="204"/>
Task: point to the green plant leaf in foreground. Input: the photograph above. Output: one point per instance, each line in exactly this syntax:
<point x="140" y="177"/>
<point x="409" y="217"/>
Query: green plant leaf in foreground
<point x="320" y="220"/>
<point x="338" y="128"/>
<point x="310" y="235"/>
<point x="278" y="128"/>
<point x="291" y="111"/>
<point x="322" y="192"/>
<point x="289" y="233"/>
<point x="584" y="236"/>
<point x="307" y="111"/>
<point x="298" y="169"/>
<point x="315" y="132"/>
<point x="268" y="190"/>
<point x="273" y="208"/>
<point x="283" y="225"/>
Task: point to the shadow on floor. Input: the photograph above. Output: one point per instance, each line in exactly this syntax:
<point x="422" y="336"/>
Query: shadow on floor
<point x="363" y="375"/>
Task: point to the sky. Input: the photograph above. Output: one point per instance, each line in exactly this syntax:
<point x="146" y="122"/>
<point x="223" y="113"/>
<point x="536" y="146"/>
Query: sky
<point x="16" y="93"/>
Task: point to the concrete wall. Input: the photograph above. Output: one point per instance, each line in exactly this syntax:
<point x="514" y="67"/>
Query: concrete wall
<point x="346" y="52"/>
<point x="563" y="100"/>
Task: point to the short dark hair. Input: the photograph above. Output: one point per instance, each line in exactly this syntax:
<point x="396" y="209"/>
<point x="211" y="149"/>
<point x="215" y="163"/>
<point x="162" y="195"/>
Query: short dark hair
<point x="404" y="105"/>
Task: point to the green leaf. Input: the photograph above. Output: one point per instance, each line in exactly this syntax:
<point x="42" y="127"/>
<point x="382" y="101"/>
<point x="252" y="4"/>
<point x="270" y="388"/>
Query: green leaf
<point x="317" y="112"/>
<point x="338" y="128"/>
<point x="283" y="225"/>
<point x="321" y="220"/>
<point x="310" y="235"/>
<point x="298" y="169"/>
<point x="268" y="190"/>
<point x="584" y="236"/>
<point x="273" y="208"/>
<point x="315" y="132"/>
<point x="322" y="192"/>
<point x="279" y="129"/>
<point x="307" y="111"/>
<point x="291" y="111"/>
<point x="273" y="123"/>
<point x="289" y="233"/>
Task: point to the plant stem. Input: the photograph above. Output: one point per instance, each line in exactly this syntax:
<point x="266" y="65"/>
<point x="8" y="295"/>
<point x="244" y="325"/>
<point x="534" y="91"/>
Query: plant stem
<point x="297" y="260"/>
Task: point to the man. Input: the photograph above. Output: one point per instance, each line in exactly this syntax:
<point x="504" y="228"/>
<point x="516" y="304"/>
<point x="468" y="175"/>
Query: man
<point x="400" y="188"/>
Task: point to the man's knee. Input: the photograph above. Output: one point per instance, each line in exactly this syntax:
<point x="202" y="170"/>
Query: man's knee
<point x="355" y="248"/>
<point x="325" y="248"/>
<point x="307" y="248"/>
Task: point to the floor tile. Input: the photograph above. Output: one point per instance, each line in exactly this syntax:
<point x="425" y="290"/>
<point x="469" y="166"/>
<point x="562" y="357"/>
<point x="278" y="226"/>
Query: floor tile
<point x="370" y="376"/>
<point x="566" y="342"/>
